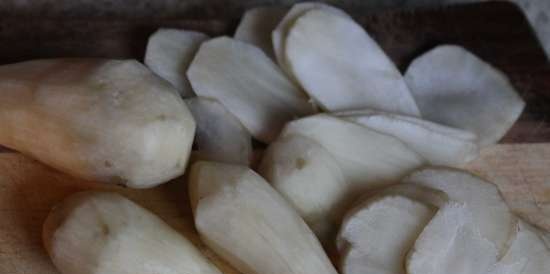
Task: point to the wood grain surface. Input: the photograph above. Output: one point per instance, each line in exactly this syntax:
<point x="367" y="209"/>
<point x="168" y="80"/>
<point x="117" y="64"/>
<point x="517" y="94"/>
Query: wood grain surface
<point x="497" y="32"/>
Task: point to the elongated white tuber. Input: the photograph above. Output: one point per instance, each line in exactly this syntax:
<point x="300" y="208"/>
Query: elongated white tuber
<point x="100" y="232"/>
<point x="103" y="120"/>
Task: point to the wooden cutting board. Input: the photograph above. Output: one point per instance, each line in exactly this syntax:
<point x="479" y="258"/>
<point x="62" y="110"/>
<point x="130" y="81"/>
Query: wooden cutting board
<point x="497" y="32"/>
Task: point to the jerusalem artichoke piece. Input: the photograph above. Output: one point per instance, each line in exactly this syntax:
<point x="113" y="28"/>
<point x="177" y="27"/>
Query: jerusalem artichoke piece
<point x="103" y="120"/>
<point x="243" y="79"/>
<point x="280" y="33"/>
<point x="368" y="159"/>
<point x="220" y="136"/>
<point x="100" y="232"/>
<point x="170" y="52"/>
<point x="451" y="243"/>
<point x="454" y="87"/>
<point x="256" y="26"/>
<point x="527" y="253"/>
<point x="309" y="177"/>
<point x="377" y="234"/>
<point x="439" y="144"/>
<point x="489" y="211"/>
<point x="350" y="70"/>
<point x="245" y="221"/>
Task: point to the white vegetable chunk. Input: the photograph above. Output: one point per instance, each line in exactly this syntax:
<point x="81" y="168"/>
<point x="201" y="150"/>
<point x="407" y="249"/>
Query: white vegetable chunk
<point x="527" y="253"/>
<point x="102" y="120"/>
<point x="454" y="87"/>
<point x="243" y="79"/>
<point x="377" y="234"/>
<point x="309" y="177"/>
<point x="256" y="26"/>
<point x="170" y="52"/>
<point x="490" y="213"/>
<point x="96" y="233"/>
<point x="451" y="243"/>
<point x="368" y="159"/>
<point x="280" y="33"/>
<point x="342" y="68"/>
<point x="245" y="221"/>
<point x="220" y="136"/>
<point x="439" y="144"/>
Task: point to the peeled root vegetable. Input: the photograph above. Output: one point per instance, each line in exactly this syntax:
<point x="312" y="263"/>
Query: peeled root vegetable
<point x="368" y="159"/>
<point x="439" y="144"/>
<point x="170" y="52"/>
<point x="256" y="26"/>
<point x="489" y="211"/>
<point x="342" y="68"/>
<point x="527" y="253"/>
<point x="309" y="177"/>
<point x="220" y="136"/>
<point x="428" y="196"/>
<point x="245" y="221"/>
<point x="243" y="79"/>
<point x="376" y="235"/>
<point x="454" y="87"/>
<point x="104" y="120"/>
<point x="451" y="243"/>
<point x="96" y="233"/>
<point x="280" y="33"/>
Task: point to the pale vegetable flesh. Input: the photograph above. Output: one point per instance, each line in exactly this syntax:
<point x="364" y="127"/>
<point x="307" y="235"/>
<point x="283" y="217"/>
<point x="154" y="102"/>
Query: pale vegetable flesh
<point x="243" y="79"/>
<point x="456" y="88"/>
<point x="342" y="68"/>
<point x="103" y="120"/>
<point x="220" y="135"/>
<point x="256" y="26"/>
<point x="245" y="221"/>
<point x="100" y="232"/>
<point x="170" y="52"/>
<point x="377" y="234"/>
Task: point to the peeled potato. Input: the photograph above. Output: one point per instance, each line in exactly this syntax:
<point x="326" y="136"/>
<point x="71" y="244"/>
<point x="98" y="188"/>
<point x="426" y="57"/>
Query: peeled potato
<point x="342" y="68"/>
<point x="100" y="232"/>
<point x="368" y="159"/>
<point x="245" y="221"/>
<point x="439" y="144"/>
<point x="243" y="79"/>
<point x="428" y="196"/>
<point x="454" y="87"/>
<point x="104" y="120"/>
<point x="309" y="177"/>
<point x="256" y="26"/>
<point x="170" y="52"/>
<point x="280" y="33"/>
<point x="451" y="243"/>
<point x="220" y="136"/>
<point x="489" y="211"/>
<point x="377" y="234"/>
<point x="527" y="253"/>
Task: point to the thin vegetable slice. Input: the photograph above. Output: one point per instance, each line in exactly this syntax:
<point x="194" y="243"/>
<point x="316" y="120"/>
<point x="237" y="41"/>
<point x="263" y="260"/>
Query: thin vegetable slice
<point x="342" y="68"/>
<point x="368" y="159"/>
<point x="309" y="177"/>
<point x="100" y="232"/>
<point x="280" y="33"/>
<point x="243" y="79"/>
<point x="103" y="120"/>
<point x="490" y="213"/>
<point x="244" y="220"/>
<point x="256" y="26"/>
<point x="220" y="136"/>
<point x="454" y="87"/>
<point x="170" y="52"/>
<point x="527" y="253"/>
<point x="377" y="234"/>
<point x="439" y="144"/>
<point x="451" y="243"/>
